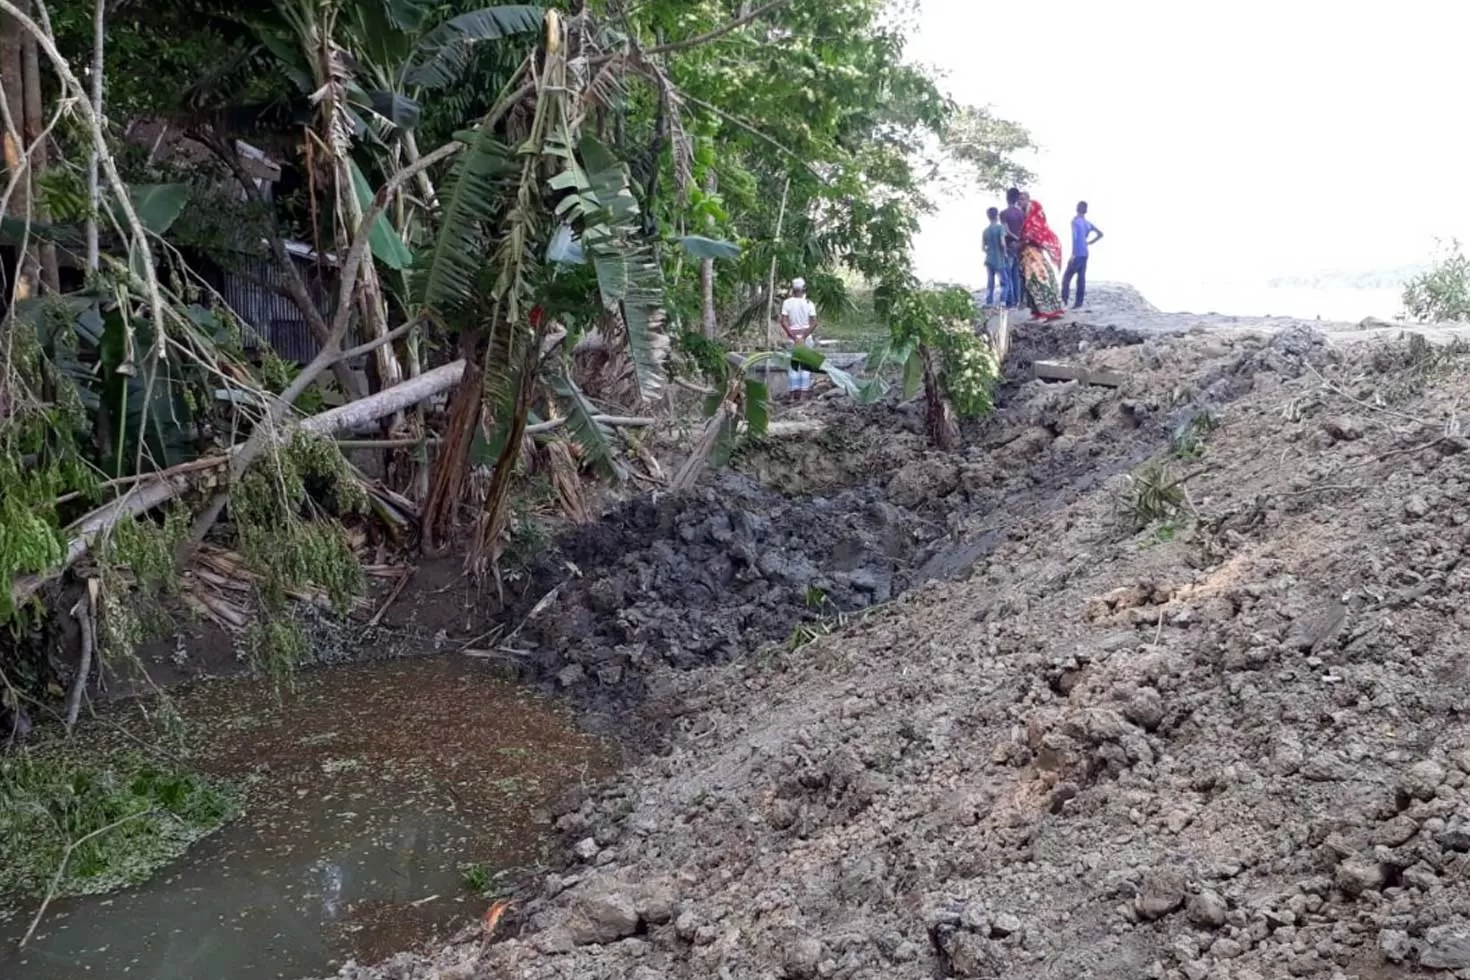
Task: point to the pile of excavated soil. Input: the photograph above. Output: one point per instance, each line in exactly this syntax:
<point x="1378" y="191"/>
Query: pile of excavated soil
<point x="686" y="581"/>
<point x="733" y="569"/>
<point x="1230" y="744"/>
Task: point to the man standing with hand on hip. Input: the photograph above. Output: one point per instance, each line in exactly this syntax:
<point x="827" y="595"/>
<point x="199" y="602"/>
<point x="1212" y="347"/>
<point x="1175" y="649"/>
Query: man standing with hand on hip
<point x="1084" y="236"/>
<point x="798" y="322"/>
<point x="1013" y="218"/>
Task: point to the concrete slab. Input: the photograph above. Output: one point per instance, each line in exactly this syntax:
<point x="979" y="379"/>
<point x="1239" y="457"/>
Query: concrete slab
<point x="1057" y="371"/>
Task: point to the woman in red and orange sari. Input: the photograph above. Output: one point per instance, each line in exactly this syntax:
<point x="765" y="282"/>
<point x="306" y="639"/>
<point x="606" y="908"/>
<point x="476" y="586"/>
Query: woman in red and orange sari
<point x="1040" y="257"/>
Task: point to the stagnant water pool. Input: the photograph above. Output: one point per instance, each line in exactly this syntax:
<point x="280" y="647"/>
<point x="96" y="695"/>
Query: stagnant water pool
<point x="371" y="789"/>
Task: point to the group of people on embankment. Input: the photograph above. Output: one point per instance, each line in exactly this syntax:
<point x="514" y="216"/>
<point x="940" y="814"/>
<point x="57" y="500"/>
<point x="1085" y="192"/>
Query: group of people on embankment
<point x="1023" y="254"/>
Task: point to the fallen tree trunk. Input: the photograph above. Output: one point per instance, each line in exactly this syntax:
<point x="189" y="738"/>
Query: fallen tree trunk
<point x="795" y="428"/>
<point x="389" y="401"/>
<point x="150" y="493"/>
<point x="141" y="499"/>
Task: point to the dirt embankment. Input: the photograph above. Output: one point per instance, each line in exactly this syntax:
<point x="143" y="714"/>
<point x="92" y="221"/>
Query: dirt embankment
<point x="1228" y="745"/>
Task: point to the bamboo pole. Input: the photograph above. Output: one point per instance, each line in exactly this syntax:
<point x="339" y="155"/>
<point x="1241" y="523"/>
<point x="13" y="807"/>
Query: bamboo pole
<point x="94" y="176"/>
<point x="772" y="338"/>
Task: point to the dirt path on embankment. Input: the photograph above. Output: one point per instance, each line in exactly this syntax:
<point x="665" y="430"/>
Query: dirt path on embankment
<point x="1225" y="741"/>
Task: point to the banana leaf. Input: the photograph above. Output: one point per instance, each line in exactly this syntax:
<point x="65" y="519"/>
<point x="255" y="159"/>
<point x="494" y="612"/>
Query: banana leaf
<point x="446" y="52"/>
<point x="386" y="246"/>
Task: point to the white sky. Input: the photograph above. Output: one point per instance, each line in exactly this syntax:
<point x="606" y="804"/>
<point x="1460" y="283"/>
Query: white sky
<point x="1218" y="142"/>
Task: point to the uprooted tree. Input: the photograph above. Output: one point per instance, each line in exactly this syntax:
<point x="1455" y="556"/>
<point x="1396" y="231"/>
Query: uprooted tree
<point x="529" y="215"/>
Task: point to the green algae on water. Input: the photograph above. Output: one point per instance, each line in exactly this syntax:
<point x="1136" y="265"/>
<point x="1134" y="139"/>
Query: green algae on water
<point x="132" y="815"/>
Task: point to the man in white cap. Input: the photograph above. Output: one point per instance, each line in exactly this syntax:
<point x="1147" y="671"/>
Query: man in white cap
<point x="799" y="322"/>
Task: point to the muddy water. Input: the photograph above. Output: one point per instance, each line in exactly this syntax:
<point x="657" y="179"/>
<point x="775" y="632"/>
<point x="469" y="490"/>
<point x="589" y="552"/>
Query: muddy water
<point x="369" y="791"/>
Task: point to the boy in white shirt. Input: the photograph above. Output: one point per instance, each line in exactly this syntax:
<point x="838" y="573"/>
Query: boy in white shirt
<point x="799" y="322"/>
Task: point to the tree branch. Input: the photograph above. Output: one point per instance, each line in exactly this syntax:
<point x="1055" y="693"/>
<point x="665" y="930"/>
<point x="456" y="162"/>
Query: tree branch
<point x="82" y="101"/>
<point x="94" y="190"/>
<point x="61" y="868"/>
<point x="718" y="32"/>
<point x="752" y="130"/>
<point x="159" y="488"/>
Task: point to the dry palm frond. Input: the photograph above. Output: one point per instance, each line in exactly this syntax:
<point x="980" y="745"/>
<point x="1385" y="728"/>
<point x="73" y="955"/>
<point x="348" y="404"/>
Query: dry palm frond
<point x="682" y="145"/>
<point x="330" y="98"/>
<point x="1152" y="494"/>
<point x="222" y="589"/>
<point x="607" y="88"/>
<point x="564" y="477"/>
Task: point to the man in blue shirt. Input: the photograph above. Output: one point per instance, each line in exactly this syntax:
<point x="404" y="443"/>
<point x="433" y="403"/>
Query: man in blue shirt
<point x="997" y="261"/>
<point x="1013" y="217"/>
<point x="1084" y="235"/>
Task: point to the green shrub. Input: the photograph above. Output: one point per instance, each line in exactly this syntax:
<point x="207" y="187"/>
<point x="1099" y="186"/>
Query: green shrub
<point x="1442" y="293"/>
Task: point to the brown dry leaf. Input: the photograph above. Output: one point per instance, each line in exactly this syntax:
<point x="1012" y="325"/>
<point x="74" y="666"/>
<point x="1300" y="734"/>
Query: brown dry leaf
<point x="492" y="915"/>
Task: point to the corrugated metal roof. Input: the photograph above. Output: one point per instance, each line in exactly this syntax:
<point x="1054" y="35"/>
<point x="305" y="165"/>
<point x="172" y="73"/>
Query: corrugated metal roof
<point x="253" y="290"/>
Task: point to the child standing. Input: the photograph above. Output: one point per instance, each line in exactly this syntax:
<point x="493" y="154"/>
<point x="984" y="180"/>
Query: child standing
<point x="997" y="261"/>
<point x="1084" y="236"/>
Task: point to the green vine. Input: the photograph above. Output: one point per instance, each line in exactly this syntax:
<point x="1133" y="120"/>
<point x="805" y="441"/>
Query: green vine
<point x="135" y="563"/>
<point x="272" y="506"/>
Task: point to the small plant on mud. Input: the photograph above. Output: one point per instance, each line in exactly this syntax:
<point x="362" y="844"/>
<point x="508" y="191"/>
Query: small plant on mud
<point x="830" y="619"/>
<point x="476" y="878"/>
<point x="1187" y="441"/>
<point x="1152" y="495"/>
<point x="940" y="320"/>
<point x="1164" y="532"/>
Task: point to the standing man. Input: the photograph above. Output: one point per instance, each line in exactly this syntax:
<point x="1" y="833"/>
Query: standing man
<point x="1013" y="218"/>
<point x="1084" y="236"/>
<point x="798" y="322"/>
<point x="997" y="265"/>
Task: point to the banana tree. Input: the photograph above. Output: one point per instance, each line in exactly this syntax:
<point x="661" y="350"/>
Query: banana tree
<point x="539" y="231"/>
<point x="401" y="55"/>
<point x="362" y="64"/>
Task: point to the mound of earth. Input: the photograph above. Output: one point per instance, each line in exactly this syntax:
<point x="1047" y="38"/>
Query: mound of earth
<point x="1116" y="298"/>
<point x="1201" y="718"/>
<point x="687" y="581"/>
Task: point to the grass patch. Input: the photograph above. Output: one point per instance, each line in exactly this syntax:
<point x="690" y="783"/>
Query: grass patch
<point x="856" y="327"/>
<point x="49" y="799"/>
<point x="476" y="878"/>
<point x="479" y="880"/>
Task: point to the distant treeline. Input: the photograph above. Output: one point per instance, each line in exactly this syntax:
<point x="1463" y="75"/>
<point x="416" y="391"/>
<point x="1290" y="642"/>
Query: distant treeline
<point x="1389" y="278"/>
